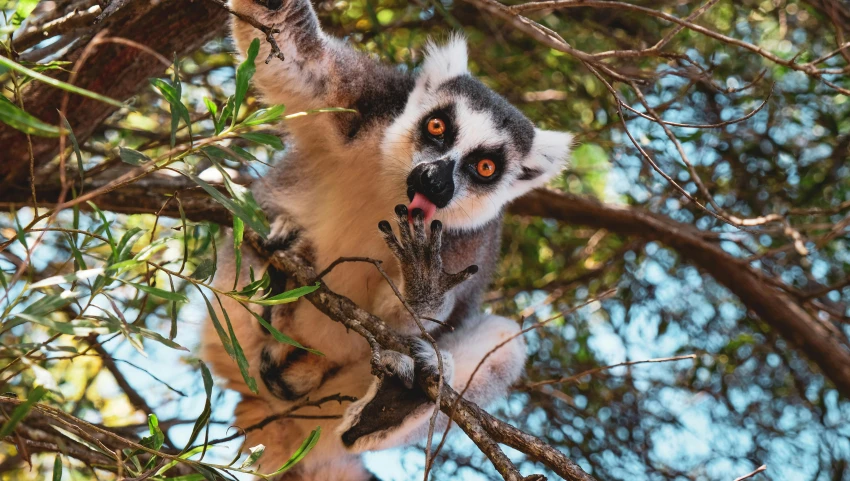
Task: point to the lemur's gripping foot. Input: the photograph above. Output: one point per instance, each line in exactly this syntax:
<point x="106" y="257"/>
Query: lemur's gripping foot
<point x="425" y="281"/>
<point x="386" y="415"/>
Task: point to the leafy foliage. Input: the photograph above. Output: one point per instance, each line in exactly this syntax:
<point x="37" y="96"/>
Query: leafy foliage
<point x="750" y="397"/>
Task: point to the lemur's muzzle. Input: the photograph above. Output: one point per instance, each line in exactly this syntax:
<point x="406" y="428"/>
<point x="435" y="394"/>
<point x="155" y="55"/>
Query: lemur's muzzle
<point x="434" y="180"/>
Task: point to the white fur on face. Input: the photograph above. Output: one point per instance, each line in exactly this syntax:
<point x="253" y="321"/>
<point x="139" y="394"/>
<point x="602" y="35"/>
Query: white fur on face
<point x="468" y="209"/>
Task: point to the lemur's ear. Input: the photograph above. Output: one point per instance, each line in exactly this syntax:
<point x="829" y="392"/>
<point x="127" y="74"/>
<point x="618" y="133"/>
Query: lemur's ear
<point x="444" y="62"/>
<point x="549" y="154"/>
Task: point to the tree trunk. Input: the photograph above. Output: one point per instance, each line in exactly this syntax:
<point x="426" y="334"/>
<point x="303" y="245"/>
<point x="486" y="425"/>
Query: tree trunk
<point x="170" y="27"/>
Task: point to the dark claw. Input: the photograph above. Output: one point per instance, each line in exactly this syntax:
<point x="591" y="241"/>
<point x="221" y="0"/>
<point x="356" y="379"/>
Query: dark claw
<point x="436" y="225"/>
<point x="418" y="214"/>
<point x="401" y="210"/>
<point x="385" y="227"/>
<point x="274" y="4"/>
<point x="471" y="270"/>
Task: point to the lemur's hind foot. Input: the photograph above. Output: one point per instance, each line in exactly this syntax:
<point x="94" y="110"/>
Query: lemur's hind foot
<point x="393" y="409"/>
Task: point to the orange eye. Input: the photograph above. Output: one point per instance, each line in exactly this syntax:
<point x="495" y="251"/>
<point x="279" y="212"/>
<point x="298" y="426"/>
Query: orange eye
<point x="486" y="168"/>
<point x="436" y="127"/>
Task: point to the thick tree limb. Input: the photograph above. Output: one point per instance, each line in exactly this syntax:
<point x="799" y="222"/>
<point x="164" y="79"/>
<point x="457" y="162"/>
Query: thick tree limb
<point x="115" y="70"/>
<point x="777" y="308"/>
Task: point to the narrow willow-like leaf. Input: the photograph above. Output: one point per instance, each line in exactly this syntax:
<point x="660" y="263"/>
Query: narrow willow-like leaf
<point x="76" y="147"/>
<point x="57" y="468"/>
<point x="281" y="337"/>
<point x="5" y="62"/>
<point x="244" y="73"/>
<point x="256" y="453"/>
<point x="13" y="116"/>
<point x="132" y="157"/>
<point x="305" y="448"/>
<point x="154" y="291"/>
<point x="203" y="419"/>
<point x="272" y="141"/>
<point x="253" y="217"/>
<point x="286" y="297"/>
<point x="23" y="10"/>
<point x="238" y="234"/>
<point x="241" y="360"/>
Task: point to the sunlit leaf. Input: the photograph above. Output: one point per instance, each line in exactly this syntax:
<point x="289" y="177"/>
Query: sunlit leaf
<point x="302" y="451"/>
<point x="244" y="73"/>
<point x="132" y="157"/>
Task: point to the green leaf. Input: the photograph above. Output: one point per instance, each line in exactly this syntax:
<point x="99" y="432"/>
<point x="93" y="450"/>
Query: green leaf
<point x="226" y="112"/>
<point x="5" y="62"/>
<point x="211" y="106"/>
<point x="76" y="147"/>
<point x="272" y="141"/>
<point x="243" y="77"/>
<point x="57" y="468"/>
<point x="281" y="337"/>
<point x="156" y="433"/>
<point x="238" y="234"/>
<point x="133" y="157"/>
<point x="21" y="411"/>
<point x="154" y="291"/>
<point x="222" y="335"/>
<point x="241" y="360"/>
<point x="25" y="8"/>
<point x="286" y="297"/>
<point x="172" y="94"/>
<point x="204" y="271"/>
<point x="246" y="208"/>
<point x="154" y="441"/>
<point x="256" y="453"/>
<point x="305" y="448"/>
<point x="265" y="116"/>
<point x="13" y="116"/>
<point x="186" y="455"/>
<point x="203" y="419"/>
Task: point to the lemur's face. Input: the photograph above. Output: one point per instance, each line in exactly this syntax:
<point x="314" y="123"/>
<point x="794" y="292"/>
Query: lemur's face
<point x="461" y="151"/>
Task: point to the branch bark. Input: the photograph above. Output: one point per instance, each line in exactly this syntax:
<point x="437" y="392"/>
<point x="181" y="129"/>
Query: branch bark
<point x="115" y="70"/>
<point x="775" y="307"/>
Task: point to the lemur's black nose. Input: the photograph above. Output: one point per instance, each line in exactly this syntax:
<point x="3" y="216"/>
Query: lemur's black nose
<point x="434" y="180"/>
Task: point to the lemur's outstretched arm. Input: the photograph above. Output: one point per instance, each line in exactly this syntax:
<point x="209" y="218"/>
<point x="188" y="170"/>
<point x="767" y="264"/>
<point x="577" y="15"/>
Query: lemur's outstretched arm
<point x="319" y="70"/>
<point x="304" y="77"/>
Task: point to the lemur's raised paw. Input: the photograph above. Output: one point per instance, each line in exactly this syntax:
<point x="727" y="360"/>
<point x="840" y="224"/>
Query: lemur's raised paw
<point x="425" y="281"/>
<point x="393" y="408"/>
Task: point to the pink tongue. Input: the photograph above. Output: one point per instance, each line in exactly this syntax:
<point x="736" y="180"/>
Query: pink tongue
<point x="421" y="202"/>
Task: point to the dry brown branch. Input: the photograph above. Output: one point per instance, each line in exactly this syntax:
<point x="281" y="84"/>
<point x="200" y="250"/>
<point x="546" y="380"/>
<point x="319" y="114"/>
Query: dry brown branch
<point x="590" y="372"/>
<point x="761" y="468"/>
<point x="481" y="427"/>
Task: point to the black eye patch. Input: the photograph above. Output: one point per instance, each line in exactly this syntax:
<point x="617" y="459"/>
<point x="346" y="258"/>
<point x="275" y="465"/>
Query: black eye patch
<point x="444" y="142"/>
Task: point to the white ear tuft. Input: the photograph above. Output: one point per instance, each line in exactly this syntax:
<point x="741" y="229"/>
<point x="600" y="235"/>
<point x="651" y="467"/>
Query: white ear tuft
<point x="549" y="155"/>
<point x="446" y="61"/>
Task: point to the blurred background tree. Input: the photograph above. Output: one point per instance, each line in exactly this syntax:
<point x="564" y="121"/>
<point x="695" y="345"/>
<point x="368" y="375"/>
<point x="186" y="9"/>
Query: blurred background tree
<point x="715" y="133"/>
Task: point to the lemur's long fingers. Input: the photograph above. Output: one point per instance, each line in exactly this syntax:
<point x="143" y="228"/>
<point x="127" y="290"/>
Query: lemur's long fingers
<point x="403" y="224"/>
<point x="390" y="238"/>
<point x="418" y="227"/>
<point x="452" y="280"/>
<point x="435" y="244"/>
<point x="436" y="236"/>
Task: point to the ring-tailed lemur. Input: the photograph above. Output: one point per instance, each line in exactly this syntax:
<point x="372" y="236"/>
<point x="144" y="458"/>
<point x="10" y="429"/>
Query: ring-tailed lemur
<point x="436" y="139"/>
